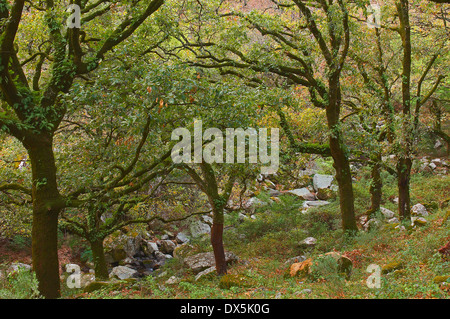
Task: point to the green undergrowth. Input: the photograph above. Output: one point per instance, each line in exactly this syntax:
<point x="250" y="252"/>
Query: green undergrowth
<point x="409" y="263"/>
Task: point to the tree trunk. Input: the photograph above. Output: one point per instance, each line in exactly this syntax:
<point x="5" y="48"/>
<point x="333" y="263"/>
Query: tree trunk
<point x="217" y="241"/>
<point x="219" y="251"/>
<point x="375" y="188"/>
<point x="46" y="208"/>
<point x="344" y="180"/>
<point x="404" y="202"/>
<point x="405" y="162"/>
<point x="100" y="266"/>
<point x="340" y="156"/>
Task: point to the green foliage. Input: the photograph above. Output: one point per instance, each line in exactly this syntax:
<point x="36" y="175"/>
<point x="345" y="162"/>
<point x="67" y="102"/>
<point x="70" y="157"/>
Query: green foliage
<point x="15" y="208"/>
<point x="320" y="220"/>
<point x="19" y="285"/>
<point x="325" y="166"/>
<point x="86" y="255"/>
<point x="432" y="192"/>
<point x="227" y="281"/>
<point x="275" y="217"/>
<point x="20" y="243"/>
<point x="326" y="268"/>
<point x="199" y="291"/>
<point x="155" y="290"/>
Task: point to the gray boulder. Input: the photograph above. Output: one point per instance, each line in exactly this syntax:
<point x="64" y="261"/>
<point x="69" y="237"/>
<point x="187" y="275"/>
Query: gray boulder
<point x="304" y="291"/>
<point x="388" y="214"/>
<point x="202" y="261"/>
<point x="436" y="160"/>
<point x="132" y="245"/>
<point x="302" y="193"/>
<point x="419" y="210"/>
<point x="315" y="203"/>
<point x="160" y="259"/>
<point x="86" y="280"/>
<point x="393" y="220"/>
<point x="167" y="246"/>
<point x="207" y="219"/>
<point x="122" y="272"/>
<point x="205" y="272"/>
<point x="322" y="181"/>
<point x="254" y="202"/>
<point x="173" y="280"/>
<point x="14" y="267"/>
<point x="198" y="229"/>
<point x="152" y="247"/>
<point x="372" y="224"/>
<point x="182" y="238"/>
<point x="308" y="242"/>
<point x="273" y="192"/>
<point x="242" y="217"/>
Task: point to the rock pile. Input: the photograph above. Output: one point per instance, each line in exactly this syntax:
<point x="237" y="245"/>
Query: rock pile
<point x="418" y="214"/>
<point x="322" y="190"/>
<point x="437" y="165"/>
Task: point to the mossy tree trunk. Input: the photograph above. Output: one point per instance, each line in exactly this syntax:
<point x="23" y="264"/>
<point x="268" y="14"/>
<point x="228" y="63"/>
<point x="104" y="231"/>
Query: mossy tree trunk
<point x="47" y="205"/>
<point x="403" y="180"/>
<point x="340" y="153"/>
<point x="344" y="180"/>
<point x="404" y="163"/>
<point x="410" y="123"/>
<point x="376" y="187"/>
<point x="100" y="265"/>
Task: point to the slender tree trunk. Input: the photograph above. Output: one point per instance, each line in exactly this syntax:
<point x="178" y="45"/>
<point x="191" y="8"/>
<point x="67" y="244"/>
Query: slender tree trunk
<point x="375" y="187"/>
<point x="340" y="157"/>
<point x="217" y="242"/>
<point x="46" y="208"/>
<point x="404" y="202"/>
<point x="100" y="266"/>
<point x="405" y="160"/>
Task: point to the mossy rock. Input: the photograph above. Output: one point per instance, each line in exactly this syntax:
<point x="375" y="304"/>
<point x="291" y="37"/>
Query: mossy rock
<point x="390" y="267"/>
<point x="420" y="221"/>
<point x="345" y="267"/>
<point x="182" y="251"/>
<point x="129" y="281"/>
<point x="325" y="194"/>
<point x="431" y="205"/>
<point x="96" y="285"/>
<point x="390" y="226"/>
<point x="441" y="279"/>
<point x="304" y="181"/>
<point x="227" y="281"/>
<point x="117" y="254"/>
<point x="398" y="273"/>
<point x="113" y="284"/>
